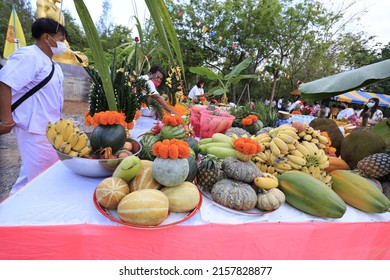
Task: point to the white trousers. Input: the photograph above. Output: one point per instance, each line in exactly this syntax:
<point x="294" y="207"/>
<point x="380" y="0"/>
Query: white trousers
<point x="36" y="153"/>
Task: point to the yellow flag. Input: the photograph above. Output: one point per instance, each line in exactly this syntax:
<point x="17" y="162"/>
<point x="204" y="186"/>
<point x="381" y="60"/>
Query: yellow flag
<point x="15" y="36"/>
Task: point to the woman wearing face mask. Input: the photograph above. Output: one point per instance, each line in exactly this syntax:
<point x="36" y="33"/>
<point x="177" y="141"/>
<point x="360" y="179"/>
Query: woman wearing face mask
<point x="26" y="68"/>
<point x="154" y="79"/>
<point x="374" y="114"/>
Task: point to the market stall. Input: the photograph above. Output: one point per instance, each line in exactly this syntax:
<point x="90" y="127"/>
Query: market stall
<point x="362" y="97"/>
<point x="54" y="217"/>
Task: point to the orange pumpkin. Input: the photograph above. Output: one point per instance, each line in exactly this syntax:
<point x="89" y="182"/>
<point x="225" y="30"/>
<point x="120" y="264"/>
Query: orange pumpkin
<point x="336" y="163"/>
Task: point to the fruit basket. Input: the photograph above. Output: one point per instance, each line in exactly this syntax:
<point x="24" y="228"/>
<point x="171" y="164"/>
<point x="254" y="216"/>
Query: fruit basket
<point x="195" y="118"/>
<point x="214" y="122"/>
<point x="173" y="218"/>
<point x="89" y="167"/>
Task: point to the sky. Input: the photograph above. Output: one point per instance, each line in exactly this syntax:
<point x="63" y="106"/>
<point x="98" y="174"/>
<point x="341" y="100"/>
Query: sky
<point x="375" y="22"/>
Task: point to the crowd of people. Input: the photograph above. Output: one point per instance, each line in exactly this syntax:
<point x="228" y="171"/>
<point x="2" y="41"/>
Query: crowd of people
<point x="363" y="115"/>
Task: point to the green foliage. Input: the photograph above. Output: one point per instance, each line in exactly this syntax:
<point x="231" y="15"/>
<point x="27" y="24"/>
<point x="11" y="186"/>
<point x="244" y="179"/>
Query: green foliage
<point x="225" y="81"/>
<point x="266" y="114"/>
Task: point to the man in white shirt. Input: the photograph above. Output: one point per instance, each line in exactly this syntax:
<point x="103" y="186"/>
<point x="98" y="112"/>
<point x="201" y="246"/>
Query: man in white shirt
<point x="154" y="79"/>
<point x="196" y="92"/>
<point x="26" y="68"/>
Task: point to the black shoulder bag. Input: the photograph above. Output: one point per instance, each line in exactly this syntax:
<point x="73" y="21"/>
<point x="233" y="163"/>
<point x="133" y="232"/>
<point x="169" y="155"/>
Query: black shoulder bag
<point x="33" y="90"/>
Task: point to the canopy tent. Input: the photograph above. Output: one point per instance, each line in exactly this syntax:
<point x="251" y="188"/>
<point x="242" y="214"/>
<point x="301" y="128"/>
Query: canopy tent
<point x="362" y="97"/>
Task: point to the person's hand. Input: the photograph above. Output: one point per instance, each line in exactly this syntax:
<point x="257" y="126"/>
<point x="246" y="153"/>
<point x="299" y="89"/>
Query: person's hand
<point x="5" y="128"/>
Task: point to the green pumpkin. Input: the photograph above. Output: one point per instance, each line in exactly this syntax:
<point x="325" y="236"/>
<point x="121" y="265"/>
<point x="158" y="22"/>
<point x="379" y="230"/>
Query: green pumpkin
<point x="104" y="136"/>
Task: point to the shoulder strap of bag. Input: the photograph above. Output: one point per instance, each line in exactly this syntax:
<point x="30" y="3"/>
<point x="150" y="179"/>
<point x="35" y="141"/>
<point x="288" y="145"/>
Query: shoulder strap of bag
<point x="33" y="90"/>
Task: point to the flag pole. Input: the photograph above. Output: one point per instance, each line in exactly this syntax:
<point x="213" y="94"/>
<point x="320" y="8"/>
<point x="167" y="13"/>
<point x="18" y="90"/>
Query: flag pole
<point x="16" y="40"/>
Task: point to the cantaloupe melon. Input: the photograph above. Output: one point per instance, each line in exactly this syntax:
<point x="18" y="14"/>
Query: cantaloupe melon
<point x="148" y="207"/>
<point x="111" y="191"/>
<point x="182" y="198"/>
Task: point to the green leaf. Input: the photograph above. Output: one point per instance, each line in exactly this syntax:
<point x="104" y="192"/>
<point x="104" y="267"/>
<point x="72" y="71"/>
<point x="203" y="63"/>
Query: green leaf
<point x="242" y="77"/>
<point x="218" y="91"/>
<point x="203" y="71"/>
<point x="170" y="29"/>
<point x="346" y="81"/>
<point x="97" y="52"/>
<point x="238" y="69"/>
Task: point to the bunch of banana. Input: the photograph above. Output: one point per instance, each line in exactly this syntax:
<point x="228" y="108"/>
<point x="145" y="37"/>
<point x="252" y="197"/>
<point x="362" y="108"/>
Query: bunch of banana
<point x="283" y="139"/>
<point x="313" y="136"/>
<point x="67" y="138"/>
<point x="285" y="150"/>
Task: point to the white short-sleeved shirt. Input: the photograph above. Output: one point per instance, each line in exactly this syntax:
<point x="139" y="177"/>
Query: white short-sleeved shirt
<point x="195" y="92"/>
<point x="24" y="69"/>
<point x="376" y="117"/>
<point x="346" y="113"/>
<point x="149" y="83"/>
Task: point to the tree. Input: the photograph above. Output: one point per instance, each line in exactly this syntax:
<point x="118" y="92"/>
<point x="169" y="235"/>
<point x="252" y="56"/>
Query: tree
<point x="105" y="23"/>
<point x="76" y="36"/>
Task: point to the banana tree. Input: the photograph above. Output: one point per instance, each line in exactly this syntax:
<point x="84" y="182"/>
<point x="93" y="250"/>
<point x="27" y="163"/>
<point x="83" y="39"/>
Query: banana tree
<point x="224" y="81"/>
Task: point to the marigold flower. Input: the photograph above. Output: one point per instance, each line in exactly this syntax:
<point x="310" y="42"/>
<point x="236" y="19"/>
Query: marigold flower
<point x="172" y="120"/>
<point x="247" y="146"/>
<point x="104" y="118"/>
<point x="173" y="149"/>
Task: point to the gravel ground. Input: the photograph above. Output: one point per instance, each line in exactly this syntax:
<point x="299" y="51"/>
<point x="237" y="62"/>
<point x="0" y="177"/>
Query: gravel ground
<point x="9" y="153"/>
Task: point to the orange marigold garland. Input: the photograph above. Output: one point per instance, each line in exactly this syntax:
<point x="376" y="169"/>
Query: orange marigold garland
<point x="246" y="148"/>
<point x="108" y="118"/>
<point x="249" y="120"/>
<point x="172" y="149"/>
<point x="172" y="120"/>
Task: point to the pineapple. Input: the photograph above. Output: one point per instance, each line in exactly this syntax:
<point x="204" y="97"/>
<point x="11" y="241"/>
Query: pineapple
<point x="375" y="166"/>
<point x="210" y="172"/>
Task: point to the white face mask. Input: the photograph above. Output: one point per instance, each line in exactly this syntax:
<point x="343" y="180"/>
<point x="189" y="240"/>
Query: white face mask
<point x="370" y="105"/>
<point x="60" y="49"/>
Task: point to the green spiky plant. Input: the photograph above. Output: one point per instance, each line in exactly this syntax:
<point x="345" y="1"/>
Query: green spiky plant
<point x="266" y="114"/>
<point x="112" y="91"/>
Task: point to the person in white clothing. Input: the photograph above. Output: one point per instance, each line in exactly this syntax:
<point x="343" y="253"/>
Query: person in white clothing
<point x="345" y="112"/>
<point x="24" y="69"/>
<point x="196" y="92"/>
<point x="153" y="80"/>
<point x="374" y="114"/>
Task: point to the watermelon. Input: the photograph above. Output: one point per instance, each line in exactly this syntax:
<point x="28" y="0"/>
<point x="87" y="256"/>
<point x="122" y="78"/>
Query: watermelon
<point x="147" y="142"/>
<point x="193" y="143"/>
<point x="104" y="136"/>
<point x="193" y="172"/>
<point x="170" y="132"/>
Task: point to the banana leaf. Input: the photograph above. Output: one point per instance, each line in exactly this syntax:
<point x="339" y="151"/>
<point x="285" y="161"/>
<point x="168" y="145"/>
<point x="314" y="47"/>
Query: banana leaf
<point x="203" y="71"/>
<point x="346" y="81"/>
<point x="160" y="15"/>
<point x="97" y="52"/>
<point x="239" y="68"/>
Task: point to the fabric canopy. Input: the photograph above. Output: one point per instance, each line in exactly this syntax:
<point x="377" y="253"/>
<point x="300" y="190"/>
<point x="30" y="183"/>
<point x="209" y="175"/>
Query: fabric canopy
<point x="362" y="97"/>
